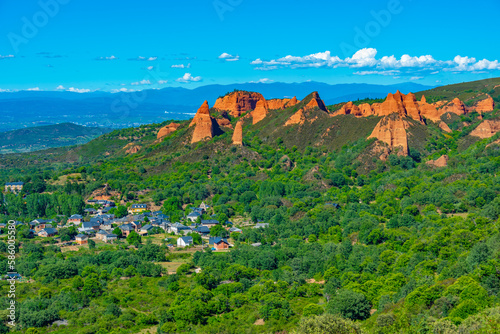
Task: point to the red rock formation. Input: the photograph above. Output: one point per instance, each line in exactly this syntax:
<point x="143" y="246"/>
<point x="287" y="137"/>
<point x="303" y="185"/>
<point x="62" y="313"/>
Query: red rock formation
<point x="238" y="134"/>
<point x="238" y="102"/>
<point x="485" y="105"/>
<point x="316" y="102"/>
<point x="486" y="129"/>
<point x="442" y="161"/>
<point x="260" y="111"/>
<point x="392" y="104"/>
<point x="131" y="148"/>
<point x="411" y="106"/>
<point x="444" y="126"/>
<point x="277" y="104"/>
<point x="203" y="124"/>
<point x="349" y="109"/>
<point x="429" y="111"/>
<point x="297" y="118"/>
<point x="456" y="106"/>
<point x="292" y="102"/>
<point x="224" y="122"/>
<point x="423" y="99"/>
<point x="166" y="130"/>
<point x="392" y="131"/>
<point x="366" y="109"/>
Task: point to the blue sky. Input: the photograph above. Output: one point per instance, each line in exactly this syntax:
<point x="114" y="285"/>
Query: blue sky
<point x="123" y="45"/>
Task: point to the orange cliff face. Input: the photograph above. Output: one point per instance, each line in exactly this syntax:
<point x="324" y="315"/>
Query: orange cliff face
<point x="238" y="134"/>
<point x="166" y="130"/>
<point x="238" y="102"/>
<point x="486" y="129"/>
<point x="485" y="105"/>
<point x="277" y="104"/>
<point x="316" y="102"/>
<point x="203" y="124"/>
<point x="260" y="111"/>
<point x="456" y="106"/>
<point x="392" y="131"/>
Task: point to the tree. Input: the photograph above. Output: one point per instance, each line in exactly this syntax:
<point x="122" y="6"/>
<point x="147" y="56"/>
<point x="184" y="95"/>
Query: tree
<point x="134" y="238"/>
<point x="92" y="288"/>
<point x="349" y="304"/>
<point x="91" y="244"/>
<point x="312" y="309"/>
<point x="327" y="324"/>
<point x="218" y="231"/>
<point x="117" y="231"/>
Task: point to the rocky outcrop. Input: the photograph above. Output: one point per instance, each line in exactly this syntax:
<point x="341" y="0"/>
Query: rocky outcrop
<point x="349" y="109"/>
<point x="411" y="106"/>
<point x="238" y="134"/>
<point x="166" y="130"/>
<point x="277" y="104"/>
<point x="260" y="111"/>
<point x="486" y="129"/>
<point x="316" y="102"/>
<point x="443" y="126"/>
<point x="224" y="122"/>
<point x="238" y="102"/>
<point x="392" y="131"/>
<point x="456" y="106"/>
<point x="204" y="124"/>
<point x="292" y="102"/>
<point x="442" y="161"/>
<point x="428" y="111"/>
<point x="297" y="118"/>
<point x="485" y="105"/>
<point x="393" y="104"/>
<point x="130" y="148"/>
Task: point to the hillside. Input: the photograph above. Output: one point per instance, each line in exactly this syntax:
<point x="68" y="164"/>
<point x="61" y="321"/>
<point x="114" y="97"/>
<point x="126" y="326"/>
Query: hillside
<point x="375" y="217"/>
<point x="44" y="137"/>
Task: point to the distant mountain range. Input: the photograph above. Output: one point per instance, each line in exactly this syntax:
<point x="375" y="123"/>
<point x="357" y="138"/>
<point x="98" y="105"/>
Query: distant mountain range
<point x="101" y="109"/>
<point x="50" y="136"/>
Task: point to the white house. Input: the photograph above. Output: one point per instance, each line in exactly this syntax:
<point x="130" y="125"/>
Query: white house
<point x="184" y="241"/>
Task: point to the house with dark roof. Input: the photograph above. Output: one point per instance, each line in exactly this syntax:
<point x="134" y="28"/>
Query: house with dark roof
<point x="235" y="230"/>
<point x="90" y="211"/>
<point x="193" y="216"/>
<point x="75" y="219"/>
<point x="202" y="230"/>
<point x="126" y="229"/>
<point x="90" y="226"/>
<point x="218" y="243"/>
<point x="184" y="241"/>
<point x="81" y="239"/>
<point x="137" y="208"/>
<point x="47" y="232"/>
<point x="146" y="229"/>
<point x="209" y="222"/>
<point x="177" y="228"/>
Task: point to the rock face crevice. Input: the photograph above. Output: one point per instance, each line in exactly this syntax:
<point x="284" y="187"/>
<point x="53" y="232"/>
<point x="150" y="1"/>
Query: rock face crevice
<point x="205" y="126"/>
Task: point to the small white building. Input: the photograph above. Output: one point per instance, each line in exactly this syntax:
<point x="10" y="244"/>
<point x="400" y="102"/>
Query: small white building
<point x="184" y="241"/>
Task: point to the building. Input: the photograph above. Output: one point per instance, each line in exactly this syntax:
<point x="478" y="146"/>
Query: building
<point x="204" y="206"/>
<point x="261" y="225"/>
<point x="75" y="219"/>
<point x="218" y="243"/>
<point x="177" y="228"/>
<point x="202" y="230"/>
<point x="209" y="222"/>
<point x="47" y="232"/>
<point x="15" y="187"/>
<point x="235" y="230"/>
<point x="90" y="211"/>
<point x="184" y="241"/>
<point x="91" y="226"/>
<point x="146" y="229"/>
<point x="193" y="216"/>
<point x="109" y="238"/>
<point x="81" y="239"/>
<point x="126" y="229"/>
<point x="137" y="208"/>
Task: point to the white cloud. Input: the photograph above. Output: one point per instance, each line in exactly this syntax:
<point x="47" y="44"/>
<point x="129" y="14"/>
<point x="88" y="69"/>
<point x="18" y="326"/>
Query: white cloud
<point x="145" y="58"/>
<point x="229" y="57"/>
<point x="107" y="58"/>
<point x="391" y="72"/>
<point x="122" y="90"/>
<point x="386" y="65"/>
<point x="142" y="82"/>
<point x="60" y="87"/>
<point x="181" y="66"/>
<point x="188" y="78"/>
<point x="6" y="56"/>
<point x="162" y="82"/>
<point x="78" y="90"/>
<point x="416" y="78"/>
<point x="34" y="89"/>
<point x="263" y="80"/>
<point x="150" y="68"/>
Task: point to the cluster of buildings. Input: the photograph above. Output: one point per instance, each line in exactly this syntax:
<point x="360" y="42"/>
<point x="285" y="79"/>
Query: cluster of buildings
<point x="99" y="223"/>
